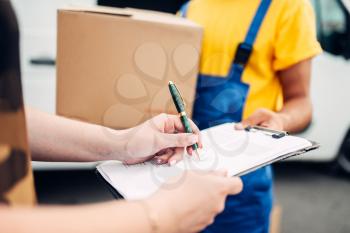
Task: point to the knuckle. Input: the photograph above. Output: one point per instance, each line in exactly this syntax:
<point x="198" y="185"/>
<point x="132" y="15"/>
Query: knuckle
<point x="261" y="110"/>
<point x="224" y="189"/>
<point x="182" y="141"/>
<point x="237" y="186"/>
<point x="267" y="111"/>
<point x="179" y="156"/>
<point x="163" y="116"/>
<point x="159" y="141"/>
<point x="220" y="207"/>
<point x="210" y="221"/>
<point x="217" y="208"/>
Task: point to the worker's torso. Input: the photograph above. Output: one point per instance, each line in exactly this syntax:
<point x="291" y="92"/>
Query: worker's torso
<point x="225" y="25"/>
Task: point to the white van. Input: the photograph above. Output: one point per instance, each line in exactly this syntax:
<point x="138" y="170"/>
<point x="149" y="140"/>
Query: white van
<point x="330" y="88"/>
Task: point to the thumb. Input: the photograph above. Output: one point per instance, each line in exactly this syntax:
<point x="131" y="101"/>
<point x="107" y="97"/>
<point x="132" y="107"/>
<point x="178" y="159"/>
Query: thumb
<point x="177" y="140"/>
<point x="255" y="119"/>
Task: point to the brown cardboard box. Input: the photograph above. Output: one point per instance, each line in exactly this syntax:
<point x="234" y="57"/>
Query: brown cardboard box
<point x="113" y="65"/>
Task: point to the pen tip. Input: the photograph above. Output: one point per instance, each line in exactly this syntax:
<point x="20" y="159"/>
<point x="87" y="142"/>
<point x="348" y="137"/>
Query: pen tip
<point x="171" y="82"/>
<point x="197" y="154"/>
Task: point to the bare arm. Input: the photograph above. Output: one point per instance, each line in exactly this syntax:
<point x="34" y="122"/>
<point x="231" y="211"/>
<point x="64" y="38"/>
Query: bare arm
<point x="297" y="109"/>
<point x="186" y="208"/>
<point x="108" y="217"/>
<point x="55" y="138"/>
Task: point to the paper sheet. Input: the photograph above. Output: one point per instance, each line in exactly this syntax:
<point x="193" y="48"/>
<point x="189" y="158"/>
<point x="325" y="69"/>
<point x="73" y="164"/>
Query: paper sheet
<point x="223" y="148"/>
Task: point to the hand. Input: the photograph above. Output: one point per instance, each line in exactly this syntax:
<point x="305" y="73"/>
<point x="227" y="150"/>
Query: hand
<point x="160" y="138"/>
<point x="265" y="118"/>
<point x="193" y="205"/>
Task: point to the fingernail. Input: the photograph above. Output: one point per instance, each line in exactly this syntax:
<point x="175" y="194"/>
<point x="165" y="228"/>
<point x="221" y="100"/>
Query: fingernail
<point x="159" y="161"/>
<point x="172" y="162"/>
<point x="239" y="126"/>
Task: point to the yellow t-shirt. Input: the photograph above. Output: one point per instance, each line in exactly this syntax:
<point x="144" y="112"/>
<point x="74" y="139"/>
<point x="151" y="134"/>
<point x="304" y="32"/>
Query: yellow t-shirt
<point x="286" y="37"/>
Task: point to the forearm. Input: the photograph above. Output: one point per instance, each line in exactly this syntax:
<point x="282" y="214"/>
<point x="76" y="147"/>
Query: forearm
<point x="118" y="216"/>
<point x="297" y="110"/>
<point x="54" y="138"/>
<point x="296" y="114"/>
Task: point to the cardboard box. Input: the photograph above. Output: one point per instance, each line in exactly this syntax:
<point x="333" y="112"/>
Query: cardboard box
<point x="113" y="65"/>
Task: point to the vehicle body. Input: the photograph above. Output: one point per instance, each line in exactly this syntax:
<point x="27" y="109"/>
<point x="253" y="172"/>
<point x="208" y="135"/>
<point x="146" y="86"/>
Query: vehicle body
<point x="330" y="85"/>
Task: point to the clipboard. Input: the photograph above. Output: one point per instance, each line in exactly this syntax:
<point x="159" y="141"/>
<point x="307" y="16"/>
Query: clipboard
<point x="110" y="188"/>
<point x="276" y="135"/>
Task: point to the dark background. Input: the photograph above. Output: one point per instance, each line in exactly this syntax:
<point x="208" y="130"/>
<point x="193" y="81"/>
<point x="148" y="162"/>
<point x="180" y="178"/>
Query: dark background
<point x="171" y="6"/>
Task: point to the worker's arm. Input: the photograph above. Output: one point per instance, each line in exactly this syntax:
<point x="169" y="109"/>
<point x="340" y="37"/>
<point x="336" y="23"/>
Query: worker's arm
<point x="296" y="113"/>
<point x="55" y="138"/>
<point x="187" y="207"/>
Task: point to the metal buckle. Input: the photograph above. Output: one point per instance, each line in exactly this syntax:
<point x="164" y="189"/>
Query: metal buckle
<point x="243" y="53"/>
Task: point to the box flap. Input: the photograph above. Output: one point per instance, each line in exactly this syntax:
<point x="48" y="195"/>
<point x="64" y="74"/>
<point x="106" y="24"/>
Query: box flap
<point x="136" y="14"/>
<point x="98" y="10"/>
<point x="159" y="17"/>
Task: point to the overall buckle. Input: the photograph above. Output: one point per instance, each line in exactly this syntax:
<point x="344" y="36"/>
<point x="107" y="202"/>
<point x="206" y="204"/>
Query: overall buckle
<point x="243" y="53"/>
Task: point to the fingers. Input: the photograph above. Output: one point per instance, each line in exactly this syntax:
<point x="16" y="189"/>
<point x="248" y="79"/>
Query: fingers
<point x="179" y="126"/>
<point x="233" y="185"/>
<point x="257" y="118"/>
<point x="228" y="185"/>
<point x="267" y="125"/>
<point x="176" y="140"/>
<point x="276" y="124"/>
<point x="177" y="156"/>
<point x="165" y="156"/>
<point x="175" y="125"/>
<point x="196" y="131"/>
<point x="239" y="126"/>
<point x="137" y="160"/>
<point x="189" y="150"/>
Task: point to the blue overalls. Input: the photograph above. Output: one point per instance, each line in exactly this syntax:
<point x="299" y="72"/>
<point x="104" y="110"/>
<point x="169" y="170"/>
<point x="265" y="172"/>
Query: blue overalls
<point x="220" y="100"/>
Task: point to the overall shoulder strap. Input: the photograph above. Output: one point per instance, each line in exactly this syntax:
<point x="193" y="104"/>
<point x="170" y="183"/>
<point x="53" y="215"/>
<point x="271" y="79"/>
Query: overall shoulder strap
<point x="245" y="49"/>
<point x="254" y="26"/>
<point x="257" y="21"/>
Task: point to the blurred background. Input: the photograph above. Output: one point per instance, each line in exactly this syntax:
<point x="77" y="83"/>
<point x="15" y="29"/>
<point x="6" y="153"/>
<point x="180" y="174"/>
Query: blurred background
<point x="313" y="194"/>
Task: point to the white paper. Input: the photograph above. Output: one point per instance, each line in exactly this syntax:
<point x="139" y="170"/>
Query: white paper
<point x="223" y="148"/>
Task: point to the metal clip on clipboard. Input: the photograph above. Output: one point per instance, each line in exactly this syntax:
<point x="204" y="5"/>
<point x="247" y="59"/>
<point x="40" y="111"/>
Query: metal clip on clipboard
<point x="270" y="132"/>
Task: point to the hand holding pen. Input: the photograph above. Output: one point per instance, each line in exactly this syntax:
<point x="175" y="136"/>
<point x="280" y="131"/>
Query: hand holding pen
<point x="180" y="107"/>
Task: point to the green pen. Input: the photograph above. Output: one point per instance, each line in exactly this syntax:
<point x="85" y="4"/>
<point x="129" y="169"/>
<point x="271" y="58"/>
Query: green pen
<point x="180" y="107"/>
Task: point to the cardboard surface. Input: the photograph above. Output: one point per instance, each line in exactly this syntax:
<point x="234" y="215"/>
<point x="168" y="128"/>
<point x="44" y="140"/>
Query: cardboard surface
<point x="113" y="65"/>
